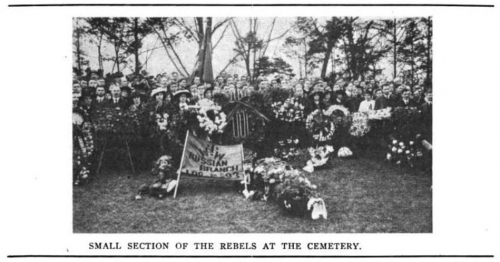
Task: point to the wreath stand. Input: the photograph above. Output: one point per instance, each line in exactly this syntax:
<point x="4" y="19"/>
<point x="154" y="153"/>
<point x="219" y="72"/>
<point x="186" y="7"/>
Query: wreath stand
<point x="104" y="150"/>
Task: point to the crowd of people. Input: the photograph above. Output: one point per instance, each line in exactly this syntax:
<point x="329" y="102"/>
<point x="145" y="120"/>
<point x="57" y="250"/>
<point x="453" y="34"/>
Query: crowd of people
<point x="163" y="100"/>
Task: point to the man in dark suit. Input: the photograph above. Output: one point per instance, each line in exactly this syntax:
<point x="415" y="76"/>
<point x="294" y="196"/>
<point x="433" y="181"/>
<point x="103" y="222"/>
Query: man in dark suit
<point x="116" y="100"/>
<point x="353" y="102"/>
<point x="405" y="100"/>
<point x="386" y="100"/>
<point x="426" y="112"/>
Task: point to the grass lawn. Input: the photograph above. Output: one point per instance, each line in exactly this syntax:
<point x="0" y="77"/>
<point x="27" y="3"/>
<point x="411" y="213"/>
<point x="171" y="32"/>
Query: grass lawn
<point x="361" y="195"/>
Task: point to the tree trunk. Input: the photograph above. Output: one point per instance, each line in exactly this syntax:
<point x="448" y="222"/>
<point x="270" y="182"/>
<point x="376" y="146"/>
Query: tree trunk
<point x="428" y="76"/>
<point x="136" y="47"/>
<point x="305" y="58"/>
<point x="99" y="53"/>
<point x="117" y="59"/>
<point x="325" y="61"/>
<point x="394" y="62"/>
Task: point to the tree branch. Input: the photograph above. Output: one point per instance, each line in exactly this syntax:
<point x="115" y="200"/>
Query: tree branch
<point x="220" y="38"/>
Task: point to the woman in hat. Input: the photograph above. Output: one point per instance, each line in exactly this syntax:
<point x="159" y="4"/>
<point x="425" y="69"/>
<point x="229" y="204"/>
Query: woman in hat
<point x="180" y="100"/>
<point x="158" y="105"/>
<point x="339" y="98"/>
<point x="316" y="99"/>
<point x="327" y="99"/>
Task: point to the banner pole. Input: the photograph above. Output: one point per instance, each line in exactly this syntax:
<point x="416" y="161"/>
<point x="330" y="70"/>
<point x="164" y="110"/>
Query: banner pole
<point x="243" y="167"/>
<point x="182" y="163"/>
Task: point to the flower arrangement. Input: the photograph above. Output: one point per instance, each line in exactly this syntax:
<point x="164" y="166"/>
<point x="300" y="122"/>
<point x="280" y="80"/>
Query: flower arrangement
<point x="321" y="127"/>
<point x="210" y="117"/>
<point x="337" y="109"/>
<point x="403" y="152"/>
<point x="344" y="152"/>
<point x="288" y="149"/>
<point x="291" y="110"/>
<point x="83" y="153"/>
<point x="359" y="126"/>
<point x="319" y="157"/>
<point x="379" y="114"/>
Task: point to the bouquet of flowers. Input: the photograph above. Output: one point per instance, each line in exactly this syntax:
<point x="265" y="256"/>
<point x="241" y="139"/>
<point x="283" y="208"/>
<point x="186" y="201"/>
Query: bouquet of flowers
<point x="320" y="126"/>
<point x="210" y="117"/>
<point x="288" y="149"/>
<point x="359" y="126"/>
<point x="319" y="157"/>
<point x="291" y="110"/>
<point x="379" y="114"/>
<point x="82" y="153"/>
<point x="403" y="152"/>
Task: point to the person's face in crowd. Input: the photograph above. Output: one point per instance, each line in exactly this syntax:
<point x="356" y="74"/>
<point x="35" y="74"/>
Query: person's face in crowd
<point x="83" y="84"/>
<point x="77" y="88"/>
<point x="108" y="96"/>
<point x="183" y="84"/>
<point x="356" y="83"/>
<point x="387" y="90"/>
<point x="175" y="76"/>
<point x="168" y="97"/>
<point x="93" y="83"/>
<point x="173" y="88"/>
<point x="201" y="90"/>
<point x="417" y="92"/>
<point x="321" y="87"/>
<point x="159" y="97"/>
<point x="220" y="80"/>
<point x="406" y="94"/>
<point x="391" y="88"/>
<point x="75" y="77"/>
<point x="336" y="88"/>
<point x="94" y="76"/>
<point x="327" y="97"/>
<point x="378" y="93"/>
<point x="197" y="81"/>
<point x="307" y="86"/>
<point x="235" y="76"/>
<point x="274" y="83"/>
<point x="239" y="84"/>
<point x="208" y="94"/>
<point x="399" y="90"/>
<point x="362" y="84"/>
<point x="100" y="92"/>
<point x="193" y="90"/>
<point x="244" y="78"/>
<point x="115" y="92"/>
<point x="359" y="91"/>
<point x="101" y="82"/>
<point x="208" y="85"/>
<point x="137" y="100"/>
<point x="250" y="89"/>
<point x="339" y="96"/>
<point x="316" y="97"/>
<point x="428" y="96"/>
<point x="124" y="93"/>
<point x="163" y="81"/>
<point x="87" y="100"/>
<point x="229" y="80"/>
<point x="182" y="98"/>
<point x="368" y="97"/>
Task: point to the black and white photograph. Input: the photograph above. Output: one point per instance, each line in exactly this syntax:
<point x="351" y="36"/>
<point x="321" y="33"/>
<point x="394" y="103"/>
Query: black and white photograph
<point x="249" y="130"/>
<point x="252" y="125"/>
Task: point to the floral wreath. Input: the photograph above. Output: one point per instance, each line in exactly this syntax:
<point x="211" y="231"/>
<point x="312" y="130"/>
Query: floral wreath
<point x="319" y="157"/>
<point x="321" y="127"/>
<point x="334" y="108"/>
<point x="359" y="126"/>
<point x="210" y="117"/>
<point x="290" y="110"/>
<point x="379" y="114"/>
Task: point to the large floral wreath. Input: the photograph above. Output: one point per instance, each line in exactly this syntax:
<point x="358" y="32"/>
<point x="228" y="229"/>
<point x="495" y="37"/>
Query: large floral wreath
<point x="291" y="110"/>
<point x="359" y="126"/>
<point x="210" y="117"/>
<point x="320" y="126"/>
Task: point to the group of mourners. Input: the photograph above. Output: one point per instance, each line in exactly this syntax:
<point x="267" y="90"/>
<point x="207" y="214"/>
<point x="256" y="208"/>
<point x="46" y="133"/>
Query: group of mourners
<point x="166" y="98"/>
